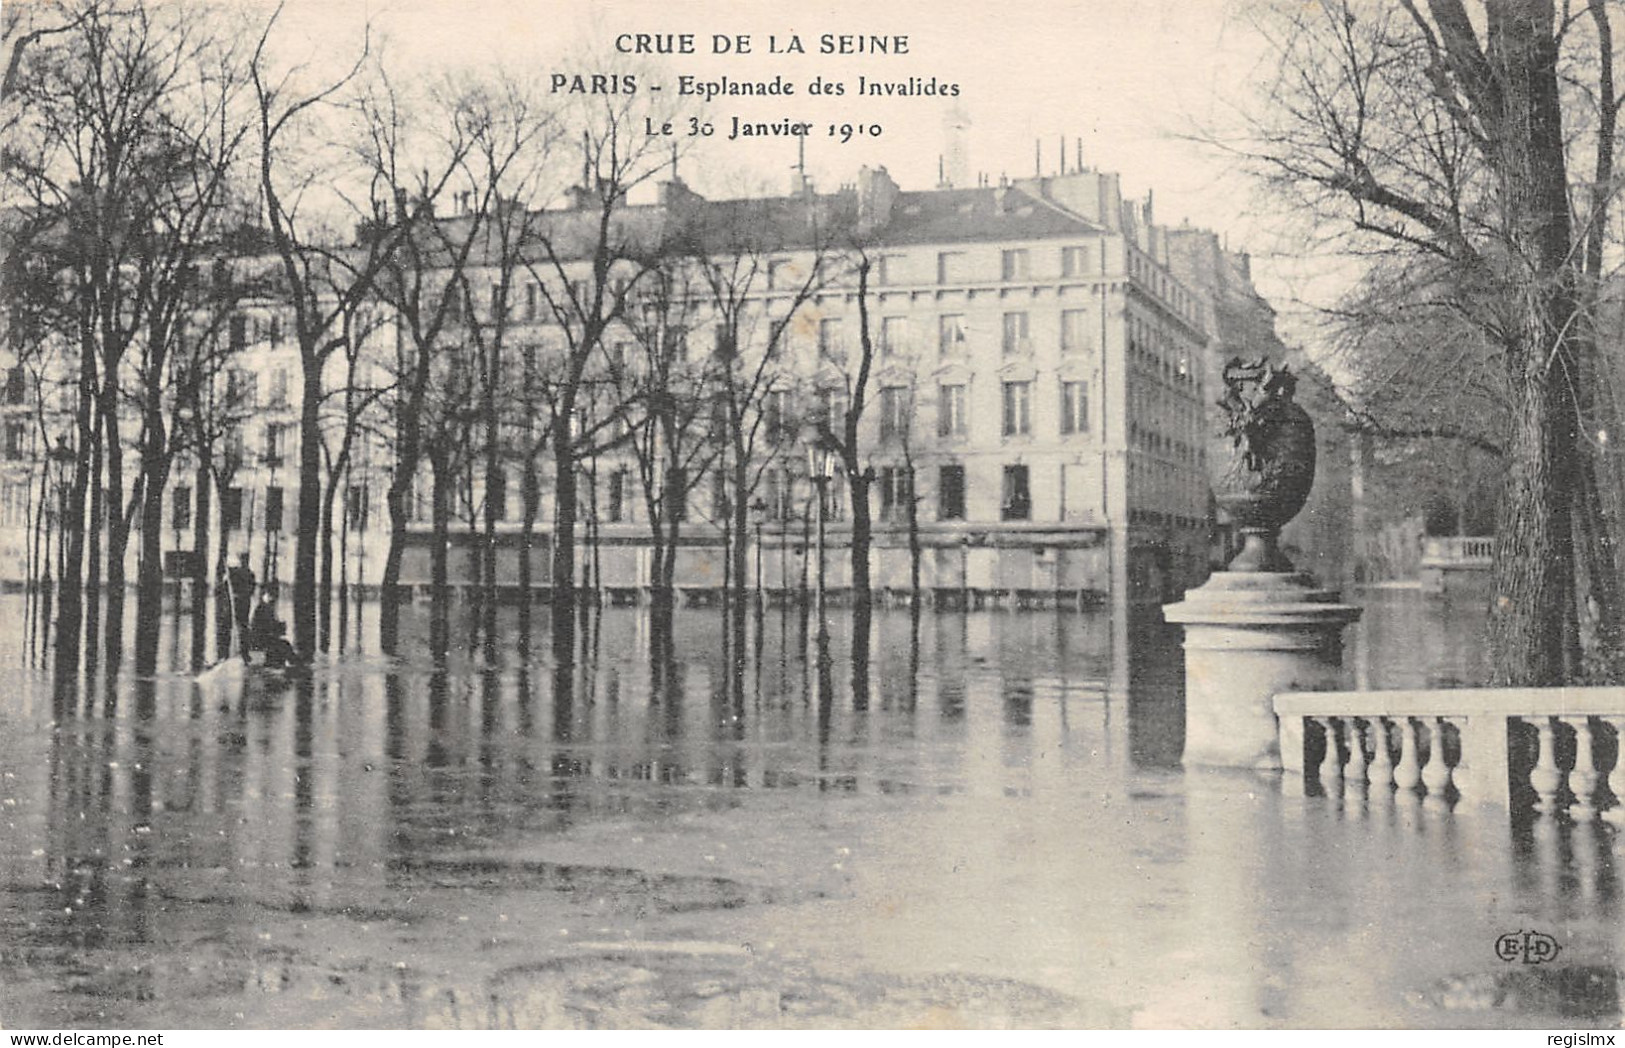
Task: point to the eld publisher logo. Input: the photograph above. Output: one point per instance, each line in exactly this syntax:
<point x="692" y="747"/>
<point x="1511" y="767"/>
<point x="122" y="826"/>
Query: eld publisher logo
<point x="1528" y="947"/>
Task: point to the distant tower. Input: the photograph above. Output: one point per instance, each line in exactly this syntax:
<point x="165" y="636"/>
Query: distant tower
<point x="956" y="147"/>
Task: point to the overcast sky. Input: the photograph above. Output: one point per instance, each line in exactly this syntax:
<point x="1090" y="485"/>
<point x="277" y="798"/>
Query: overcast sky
<point x="1130" y="78"/>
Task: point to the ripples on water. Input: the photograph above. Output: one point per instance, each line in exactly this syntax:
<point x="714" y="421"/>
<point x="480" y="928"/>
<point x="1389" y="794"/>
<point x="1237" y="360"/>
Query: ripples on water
<point x="991" y="827"/>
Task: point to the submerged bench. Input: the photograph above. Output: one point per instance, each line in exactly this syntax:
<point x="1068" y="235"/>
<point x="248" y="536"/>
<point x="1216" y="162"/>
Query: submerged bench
<point x="1503" y="747"/>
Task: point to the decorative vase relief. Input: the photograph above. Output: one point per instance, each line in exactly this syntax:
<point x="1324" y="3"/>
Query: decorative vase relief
<point x="1272" y="459"/>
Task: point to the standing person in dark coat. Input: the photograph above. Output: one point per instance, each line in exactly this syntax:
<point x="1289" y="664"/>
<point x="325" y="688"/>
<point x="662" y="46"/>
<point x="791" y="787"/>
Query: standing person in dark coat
<point x="241" y="578"/>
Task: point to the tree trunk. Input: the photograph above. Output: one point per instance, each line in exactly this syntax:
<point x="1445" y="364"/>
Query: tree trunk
<point x="200" y="563"/>
<point x="439" y="576"/>
<point x="862" y="534"/>
<point x="324" y="588"/>
<point x="389" y="597"/>
<point x="740" y="467"/>
<point x="93" y="555"/>
<point x="1533" y="616"/>
<point x="149" y="601"/>
<point x="310" y="506"/>
<point x="564" y="536"/>
<point x="118" y="538"/>
<point x="916" y="551"/>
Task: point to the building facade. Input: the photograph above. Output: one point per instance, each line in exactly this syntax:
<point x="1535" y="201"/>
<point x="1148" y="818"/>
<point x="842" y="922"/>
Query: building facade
<point x="1038" y="421"/>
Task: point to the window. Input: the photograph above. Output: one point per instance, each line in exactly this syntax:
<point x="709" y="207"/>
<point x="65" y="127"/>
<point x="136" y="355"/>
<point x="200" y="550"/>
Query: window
<point x="720" y="418"/>
<point x="676" y="497"/>
<point x="886" y="268"/>
<point x="896" y="492"/>
<point x="273" y="509"/>
<point x="239" y="332"/>
<point x="951" y="267"/>
<point x="242" y="388"/>
<point x="1013" y="264"/>
<point x="1074" y="407"/>
<point x="279" y="388"/>
<point x="1018" y="409"/>
<point x="1015" y="333"/>
<point x="273" y="444"/>
<point x="16" y="439"/>
<point x="496" y="494"/>
<point x="533" y="295"/>
<point x="778" y="272"/>
<point x="231" y="509"/>
<point x="1074" y="330"/>
<point x="180" y="512"/>
<point x="774" y="416"/>
<point x="893" y="335"/>
<point x="779" y="494"/>
<point x="234" y="449"/>
<point x="951" y="493"/>
<point x="720" y="506"/>
<point x="273" y="328"/>
<point x="951" y="334"/>
<point x="829" y="337"/>
<point x="617" y="495"/>
<point x="16" y="385"/>
<point x="1073" y="261"/>
<point x="497" y="311"/>
<point x="831" y="408"/>
<point x="356" y="505"/>
<point x="894" y="412"/>
<point x="951" y="411"/>
<point x="1018" y="499"/>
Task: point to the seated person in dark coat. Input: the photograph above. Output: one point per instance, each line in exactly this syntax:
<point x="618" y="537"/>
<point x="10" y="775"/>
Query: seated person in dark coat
<point x="268" y="633"/>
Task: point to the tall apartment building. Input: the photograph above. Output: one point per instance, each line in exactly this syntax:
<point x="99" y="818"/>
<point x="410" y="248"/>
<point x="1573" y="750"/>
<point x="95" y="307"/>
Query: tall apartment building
<point x="1044" y="366"/>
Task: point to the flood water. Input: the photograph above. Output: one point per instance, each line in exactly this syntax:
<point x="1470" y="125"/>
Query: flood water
<point x="988" y="828"/>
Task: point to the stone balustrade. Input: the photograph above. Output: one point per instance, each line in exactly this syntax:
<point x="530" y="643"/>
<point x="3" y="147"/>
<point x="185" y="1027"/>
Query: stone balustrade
<point x="1553" y="749"/>
<point x="1458" y="551"/>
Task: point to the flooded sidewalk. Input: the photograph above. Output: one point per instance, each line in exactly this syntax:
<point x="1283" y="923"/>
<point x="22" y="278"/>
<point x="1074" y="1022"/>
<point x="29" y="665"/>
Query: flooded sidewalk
<point x="988" y="828"/>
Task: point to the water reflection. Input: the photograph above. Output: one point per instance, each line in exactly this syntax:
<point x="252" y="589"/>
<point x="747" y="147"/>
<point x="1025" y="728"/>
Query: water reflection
<point x="1004" y="780"/>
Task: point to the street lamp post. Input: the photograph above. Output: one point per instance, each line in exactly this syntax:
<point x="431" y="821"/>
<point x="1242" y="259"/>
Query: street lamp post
<point x="819" y="464"/>
<point x="758" y="511"/>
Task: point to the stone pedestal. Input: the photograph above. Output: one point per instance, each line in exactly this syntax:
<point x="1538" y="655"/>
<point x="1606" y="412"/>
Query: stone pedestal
<point x="1248" y="636"/>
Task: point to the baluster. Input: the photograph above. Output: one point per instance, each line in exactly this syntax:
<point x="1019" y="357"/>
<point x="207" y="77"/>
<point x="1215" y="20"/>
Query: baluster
<point x="1408" y="772"/>
<point x="1583" y="856"/>
<point x="1546" y="777"/>
<point x="1616" y="778"/>
<point x="1354" y="774"/>
<point x="1584" y="779"/>
<point x="1328" y="758"/>
<point x="1381" y="769"/>
<point x="1436" y="772"/>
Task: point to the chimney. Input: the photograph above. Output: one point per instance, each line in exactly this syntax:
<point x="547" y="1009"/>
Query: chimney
<point x="675" y="193"/>
<point x="876" y="195"/>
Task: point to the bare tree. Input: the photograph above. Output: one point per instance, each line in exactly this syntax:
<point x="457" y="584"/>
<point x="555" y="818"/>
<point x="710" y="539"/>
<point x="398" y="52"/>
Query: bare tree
<point x="1445" y="133"/>
<point x="763" y="260"/>
<point x="588" y="259"/>
<point x="327" y="280"/>
<point x="131" y="133"/>
<point x="842" y="430"/>
<point x="667" y="388"/>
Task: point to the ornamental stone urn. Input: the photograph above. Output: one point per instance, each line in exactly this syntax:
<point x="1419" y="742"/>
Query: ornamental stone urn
<point x="1271" y="468"/>
<point x="1259" y="627"/>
